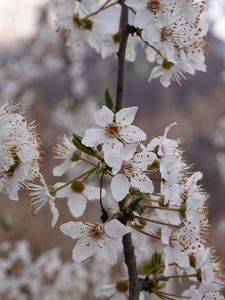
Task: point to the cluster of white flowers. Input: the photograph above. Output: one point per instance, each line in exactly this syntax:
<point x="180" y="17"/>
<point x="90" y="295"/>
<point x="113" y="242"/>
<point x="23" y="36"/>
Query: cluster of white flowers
<point x="160" y="198"/>
<point x="52" y="278"/>
<point x="19" y="150"/>
<point x="172" y="32"/>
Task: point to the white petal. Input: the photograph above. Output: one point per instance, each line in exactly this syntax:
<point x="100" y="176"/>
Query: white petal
<point x="120" y="187"/>
<point x="156" y="72"/>
<point x="126" y="115"/>
<point x="55" y="213"/>
<point x="94" y="137"/>
<point x="104" y="116"/>
<point x="64" y="192"/>
<point x="119" y="297"/>
<point x="77" y="204"/>
<point x="143" y="159"/>
<point x="138" y="5"/>
<point x="63" y="167"/>
<point x="106" y="290"/>
<point x="143" y="183"/>
<point x="74" y="229"/>
<point x="181" y="258"/>
<point x="115" y="229"/>
<point x="84" y="248"/>
<point x="92" y="192"/>
<point x="165" y="235"/>
<point x="111" y="146"/>
<point x="109" y="251"/>
<point x="132" y="134"/>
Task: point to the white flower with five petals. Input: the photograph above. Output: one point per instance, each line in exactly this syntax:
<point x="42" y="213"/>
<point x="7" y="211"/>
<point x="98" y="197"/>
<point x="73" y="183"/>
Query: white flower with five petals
<point x="130" y="171"/>
<point x="95" y="237"/>
<point x="78" y="193"/>
<point x="113" y="130"/>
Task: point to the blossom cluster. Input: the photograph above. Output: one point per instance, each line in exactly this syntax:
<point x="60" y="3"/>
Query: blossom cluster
<point x="19" y="150"/>
<point x="171" y="32"/>
<point x="52" y="278"/>
<point x="159" y="197"/>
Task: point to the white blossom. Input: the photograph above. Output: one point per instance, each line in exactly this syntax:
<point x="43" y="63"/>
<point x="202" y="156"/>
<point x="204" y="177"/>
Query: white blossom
<point x="95" y="237"/>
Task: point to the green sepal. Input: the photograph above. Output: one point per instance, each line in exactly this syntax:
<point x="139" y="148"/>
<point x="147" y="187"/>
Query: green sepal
<point x="108" y="99"/>
<point x="77" y="142"/>
<point x="99" y="170"/>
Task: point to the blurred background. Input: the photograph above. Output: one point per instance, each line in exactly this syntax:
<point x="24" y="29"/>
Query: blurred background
<point x="61" y="89"/>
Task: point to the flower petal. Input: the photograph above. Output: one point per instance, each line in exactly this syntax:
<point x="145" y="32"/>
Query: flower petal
<point x="104" y="116"/>
<point x="126" y="115"/>
<point x="92" y="192"/>
<point x="55" y="213"/>
<point x="77" y="204"/>
<point x="115" y="229"/>
<point x="111" y="146"/>
<point x="93" y="137"/>
<point x="120" y="187"/>
<point x="165" y="235"/>
<point x="109" y="251"/>
<point x="143" y="183"/>
<point x="63" y="167"/>
<point x="75" y="230"/>
<point x="84" y="248"/>
<point x="132" y="134"/>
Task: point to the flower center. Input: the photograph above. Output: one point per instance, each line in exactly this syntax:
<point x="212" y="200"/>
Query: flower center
<point x="77" y="186"/>
<point x="96" y="232"/>
<point x="76" y="156"/>
<point x="15" y="166"/>
<point x="122" y="286"/>
<point x="154" y="5"/>
<point x="116" y="38"/>
<point x="127" y="168"/>
<point x="112" y="130"/>
<point x="82" y="23"/>
<point x="166" y="33"/>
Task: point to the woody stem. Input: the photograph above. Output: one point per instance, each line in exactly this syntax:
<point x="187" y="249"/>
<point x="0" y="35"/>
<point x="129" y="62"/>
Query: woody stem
<point x="128" y="248"/>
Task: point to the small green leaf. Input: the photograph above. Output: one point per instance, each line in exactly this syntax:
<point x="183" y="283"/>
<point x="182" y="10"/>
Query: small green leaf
<point x="108" y="99"/>
<point x="6" y="222"/>
<point x="155" y="263"/>
<point x="135" y="206"/>
<point x="77" y="142"/>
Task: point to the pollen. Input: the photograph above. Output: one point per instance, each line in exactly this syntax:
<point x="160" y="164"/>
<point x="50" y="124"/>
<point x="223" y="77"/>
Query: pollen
<point x="154" y="5"/>
<point x="127" y="168"/>
<point x="166" y="33"/>
<point x="96" y="232"/>
<point x="112" y="130"/>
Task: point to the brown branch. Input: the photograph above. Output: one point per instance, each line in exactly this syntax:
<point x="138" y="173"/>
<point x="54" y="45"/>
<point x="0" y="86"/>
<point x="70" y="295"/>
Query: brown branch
<point x="124" y="33"/>
<point x="128" y="248"/>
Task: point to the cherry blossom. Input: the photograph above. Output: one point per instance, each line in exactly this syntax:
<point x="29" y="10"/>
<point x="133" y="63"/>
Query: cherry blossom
<point x="78" y="195"/>
<point x="40" y="195"/>
<point x="130" y="171"/>
<point x="95" y="237"/>
<point x="113" y="131"/>
<point x="70" y="155"/>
